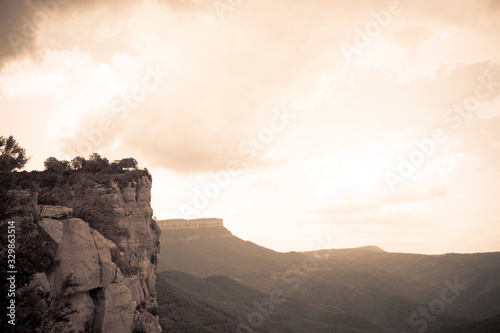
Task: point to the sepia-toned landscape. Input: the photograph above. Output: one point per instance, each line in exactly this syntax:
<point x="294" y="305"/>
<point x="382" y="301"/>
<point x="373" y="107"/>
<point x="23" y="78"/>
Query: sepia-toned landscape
<point x="250" y="166"/>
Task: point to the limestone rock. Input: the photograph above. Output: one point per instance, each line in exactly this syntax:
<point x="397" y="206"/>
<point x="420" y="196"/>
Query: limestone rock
<point x="108" y="267"/>
<point x="133" y="207"/>
<point x="119" y="276"/>
<point x="105" y="298"/>
<point x="149" y="323"/>
<point x="82" y="302"/>
<point x="78" y="255"/>
<point x="56" y="212"/>
<point x="119" y="308"/>
<point x="52" y="227"/>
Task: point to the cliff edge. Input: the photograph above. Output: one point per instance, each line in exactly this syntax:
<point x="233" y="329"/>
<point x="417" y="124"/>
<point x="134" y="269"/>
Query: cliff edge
<point x="105" y="250"/>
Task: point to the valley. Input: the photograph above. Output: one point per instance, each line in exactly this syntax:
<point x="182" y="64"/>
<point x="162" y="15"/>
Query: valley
<point x="337" y="290"/>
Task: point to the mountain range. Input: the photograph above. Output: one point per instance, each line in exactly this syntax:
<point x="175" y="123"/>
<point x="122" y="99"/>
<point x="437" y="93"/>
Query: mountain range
<point x="254" y="289"/>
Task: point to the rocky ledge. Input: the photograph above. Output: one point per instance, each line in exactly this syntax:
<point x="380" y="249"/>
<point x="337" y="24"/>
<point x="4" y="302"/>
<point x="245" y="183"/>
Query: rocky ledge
<point x="109" y="295"/>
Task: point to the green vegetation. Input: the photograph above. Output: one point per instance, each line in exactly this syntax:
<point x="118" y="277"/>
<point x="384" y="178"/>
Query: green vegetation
<point x="99" y="212"/>
<point x="179" y="312"/>
<point x="93" y="165"/>
<point x="41" y="312"/>
<point x="56" y="318"/>
<point x="125" y="267"/>
<point x="83" y="184"/>
<point x="35" y="252"/>
<point x="12" y="156"/>
<point x="363" y="289"/>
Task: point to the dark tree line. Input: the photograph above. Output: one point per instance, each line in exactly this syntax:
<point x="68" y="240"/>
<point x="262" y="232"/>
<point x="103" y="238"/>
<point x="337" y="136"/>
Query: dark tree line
<point x="94" y="164"/>
<point x="13" y="157"/>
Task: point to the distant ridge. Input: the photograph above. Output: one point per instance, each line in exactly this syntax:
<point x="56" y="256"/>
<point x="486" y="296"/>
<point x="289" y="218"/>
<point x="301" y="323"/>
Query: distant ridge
<point x="204" y="247"/>
<point x="371" y="248"/>
<point x="384" y="288"/>
<point x="350" y="250"/>
<point x="182" y="224"/>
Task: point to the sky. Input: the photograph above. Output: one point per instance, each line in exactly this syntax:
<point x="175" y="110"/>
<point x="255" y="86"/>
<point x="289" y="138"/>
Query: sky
<point x="303" y="124"/>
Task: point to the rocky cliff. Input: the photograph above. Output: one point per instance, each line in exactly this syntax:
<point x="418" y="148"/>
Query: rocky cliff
<point x="112" y="272"/>
<point x="180" y="224"/>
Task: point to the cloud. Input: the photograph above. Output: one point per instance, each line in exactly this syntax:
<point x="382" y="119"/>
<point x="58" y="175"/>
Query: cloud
<point x="461" y="14"/>
<point x="227" y="79"/>
<point x="22" y="20"/>
<point x="213" y="102"/>
<point x="363" y="206"/>
<point x="196" y="6"/>
<point x="395" y="219"/>
<point x="418" y="192"/>
<point x="12" y="42"/>
<point x="348" y="208"/>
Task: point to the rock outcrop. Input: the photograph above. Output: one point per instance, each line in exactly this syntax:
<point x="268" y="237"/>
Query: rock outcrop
<point x="133" y="204"/>
<point x="77" y="255"/>
<point x="110" y="295"/>
<point x="53" y="228"/>
<point x="55" y="212"/>
<point x="180" y="224"/>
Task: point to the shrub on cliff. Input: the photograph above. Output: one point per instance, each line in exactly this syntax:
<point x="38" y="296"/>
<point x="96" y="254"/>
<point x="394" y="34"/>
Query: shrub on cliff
<point x="43" y="312"/>
<point x="56" y="318"/>
<point x="53" y="165"/>
<point x="35" y="252"/>
<point x="121" y="262"/>
<point x="95" y="169"/>
<point x="99" y="212"/>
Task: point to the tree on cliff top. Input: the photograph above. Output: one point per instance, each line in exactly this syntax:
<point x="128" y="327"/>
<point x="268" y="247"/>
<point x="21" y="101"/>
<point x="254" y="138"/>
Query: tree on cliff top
<point x="12" y="156"/>
<point x="96" y="163"/>
<point x="128" y="163"/>
<point x="52" y="164"/>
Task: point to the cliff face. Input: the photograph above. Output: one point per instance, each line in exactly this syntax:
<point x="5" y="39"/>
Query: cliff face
<point x="114" y="281"/>
<point x="180" y="224"/>
<point x="133" y="205"/>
